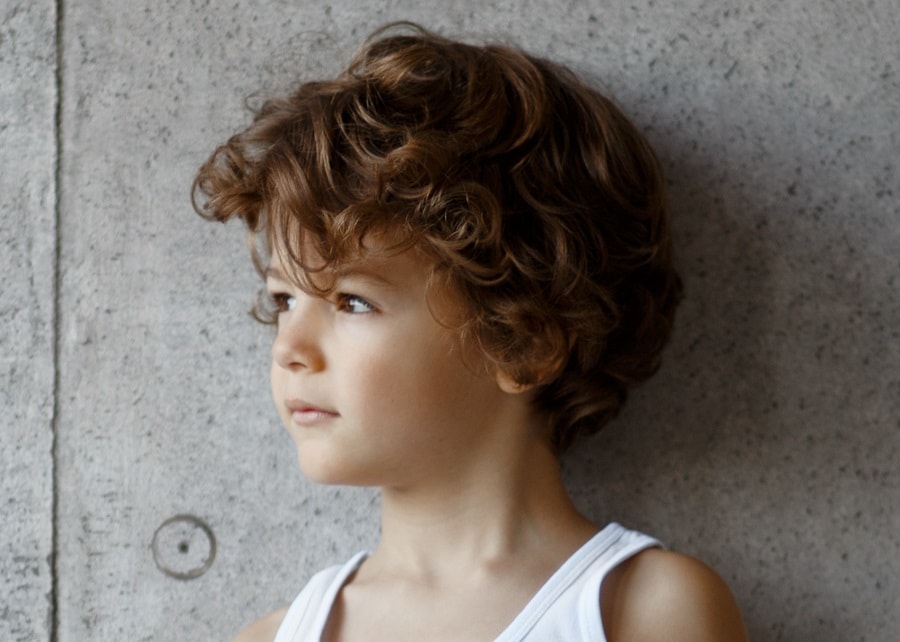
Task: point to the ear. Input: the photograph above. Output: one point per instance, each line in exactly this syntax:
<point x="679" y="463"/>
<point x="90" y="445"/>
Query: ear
<point x="550" y="351"/>
<point x="508" y="384"/>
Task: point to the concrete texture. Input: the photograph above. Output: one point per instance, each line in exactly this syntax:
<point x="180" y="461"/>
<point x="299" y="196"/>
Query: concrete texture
<point x="767" y="445"/>
<point x="27" y="261"/>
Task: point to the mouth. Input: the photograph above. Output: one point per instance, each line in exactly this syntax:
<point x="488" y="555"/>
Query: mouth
<point x="307" y="414"/>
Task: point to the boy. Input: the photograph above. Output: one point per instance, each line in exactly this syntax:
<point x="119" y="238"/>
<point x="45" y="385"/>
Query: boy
<point x="467" y="256"/>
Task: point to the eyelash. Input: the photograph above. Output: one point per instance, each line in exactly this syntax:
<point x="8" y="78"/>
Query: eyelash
<point x="345" y="302"/>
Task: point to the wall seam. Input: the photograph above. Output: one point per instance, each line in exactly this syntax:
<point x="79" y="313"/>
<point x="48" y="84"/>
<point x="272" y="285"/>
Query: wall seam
<point x="54" y="422"/>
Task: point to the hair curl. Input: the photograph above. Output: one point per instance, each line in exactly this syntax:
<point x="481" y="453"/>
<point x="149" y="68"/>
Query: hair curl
<point x="539" y="200"/>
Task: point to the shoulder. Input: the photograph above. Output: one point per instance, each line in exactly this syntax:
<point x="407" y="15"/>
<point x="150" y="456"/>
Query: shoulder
<point x="313" y="595"/>
<point x="264" y="629"/>
<point x="659" y="595"/>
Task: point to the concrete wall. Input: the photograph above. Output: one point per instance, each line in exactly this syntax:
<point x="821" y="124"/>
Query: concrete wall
<point x="134" y="385"/>
<point x="28" y="156"/>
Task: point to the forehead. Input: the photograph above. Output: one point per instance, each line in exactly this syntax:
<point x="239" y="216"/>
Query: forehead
<point x="382" y="271"/>
<point x="332" y="247"/>
<point x="378" y="262"/>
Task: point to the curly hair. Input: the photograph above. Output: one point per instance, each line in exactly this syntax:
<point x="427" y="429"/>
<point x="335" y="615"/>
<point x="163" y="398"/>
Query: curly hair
<point x="533" y="194"/>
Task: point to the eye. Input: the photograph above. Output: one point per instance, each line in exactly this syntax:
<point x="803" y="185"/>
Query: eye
<point x="282" y="302"/>
<point x="352" y="304"/>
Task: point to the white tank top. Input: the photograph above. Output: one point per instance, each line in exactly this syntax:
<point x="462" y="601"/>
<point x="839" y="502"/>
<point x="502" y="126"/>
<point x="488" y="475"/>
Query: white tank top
<point x="565" y="609"/>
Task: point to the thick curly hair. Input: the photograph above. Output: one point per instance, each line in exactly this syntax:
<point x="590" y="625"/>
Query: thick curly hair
<point x="536" y="198"/>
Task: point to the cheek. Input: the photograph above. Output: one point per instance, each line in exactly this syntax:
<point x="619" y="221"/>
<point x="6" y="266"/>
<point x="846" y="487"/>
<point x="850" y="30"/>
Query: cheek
<point x="373" y="382"/>
<point x="428" y="380"/>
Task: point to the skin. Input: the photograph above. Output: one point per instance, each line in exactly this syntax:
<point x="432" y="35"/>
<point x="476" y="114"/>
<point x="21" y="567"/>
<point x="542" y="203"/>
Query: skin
<point x="475" y="518"/>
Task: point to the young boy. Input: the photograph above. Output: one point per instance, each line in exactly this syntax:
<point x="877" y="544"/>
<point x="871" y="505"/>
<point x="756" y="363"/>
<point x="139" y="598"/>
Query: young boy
<point x="467" y="256"/>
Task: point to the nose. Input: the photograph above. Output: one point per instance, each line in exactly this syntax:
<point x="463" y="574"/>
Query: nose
<point x="297" y="344"/>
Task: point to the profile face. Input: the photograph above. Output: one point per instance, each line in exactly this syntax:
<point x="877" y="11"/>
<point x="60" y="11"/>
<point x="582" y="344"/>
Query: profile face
<point x="374" y="390"/>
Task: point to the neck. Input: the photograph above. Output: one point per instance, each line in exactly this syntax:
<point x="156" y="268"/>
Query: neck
<point x="512" y="504"/>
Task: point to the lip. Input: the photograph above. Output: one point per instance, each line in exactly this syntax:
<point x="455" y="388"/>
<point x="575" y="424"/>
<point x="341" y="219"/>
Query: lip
<point x="304" y="413"/>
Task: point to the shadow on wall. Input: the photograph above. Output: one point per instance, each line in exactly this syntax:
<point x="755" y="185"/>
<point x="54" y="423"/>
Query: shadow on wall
<point x="726" y="454"/>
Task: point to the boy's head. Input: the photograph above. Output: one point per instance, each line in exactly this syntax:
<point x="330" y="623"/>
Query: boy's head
<point x="533" y="197"/>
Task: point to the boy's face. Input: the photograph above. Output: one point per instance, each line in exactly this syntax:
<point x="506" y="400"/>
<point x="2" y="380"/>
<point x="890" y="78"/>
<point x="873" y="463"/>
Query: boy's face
<point x="373" y="390"/>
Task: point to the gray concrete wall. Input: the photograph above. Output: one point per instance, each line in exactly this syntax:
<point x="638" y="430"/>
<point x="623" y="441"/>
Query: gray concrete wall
<point x="28" y="95"/>
<point x="767" y="445"/>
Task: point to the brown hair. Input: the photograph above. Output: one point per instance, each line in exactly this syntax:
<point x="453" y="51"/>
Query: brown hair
<point x="535" y="195"/>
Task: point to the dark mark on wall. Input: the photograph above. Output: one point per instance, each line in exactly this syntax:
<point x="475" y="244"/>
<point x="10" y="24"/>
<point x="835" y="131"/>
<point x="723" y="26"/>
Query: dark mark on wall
<point x="184" y="547"/>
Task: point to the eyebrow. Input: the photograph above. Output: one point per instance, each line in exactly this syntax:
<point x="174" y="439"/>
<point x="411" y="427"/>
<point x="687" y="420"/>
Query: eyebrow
<point x="363" y="272"/>
<point x="343" y="272"/>
<point x="275" y="273"/>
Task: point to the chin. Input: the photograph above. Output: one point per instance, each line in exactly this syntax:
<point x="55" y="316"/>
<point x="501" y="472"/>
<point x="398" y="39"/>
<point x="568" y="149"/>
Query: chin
<point x="326" y="469"/>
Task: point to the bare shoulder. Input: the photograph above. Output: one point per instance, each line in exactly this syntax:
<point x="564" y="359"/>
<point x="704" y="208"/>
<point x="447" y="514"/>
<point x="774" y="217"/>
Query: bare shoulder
<point x="264" y="629"/>
<point x="660" y="595"/>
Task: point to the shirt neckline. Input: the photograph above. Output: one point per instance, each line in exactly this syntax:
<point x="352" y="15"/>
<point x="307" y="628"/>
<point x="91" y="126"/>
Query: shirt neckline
<point x="533" y="610"/>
